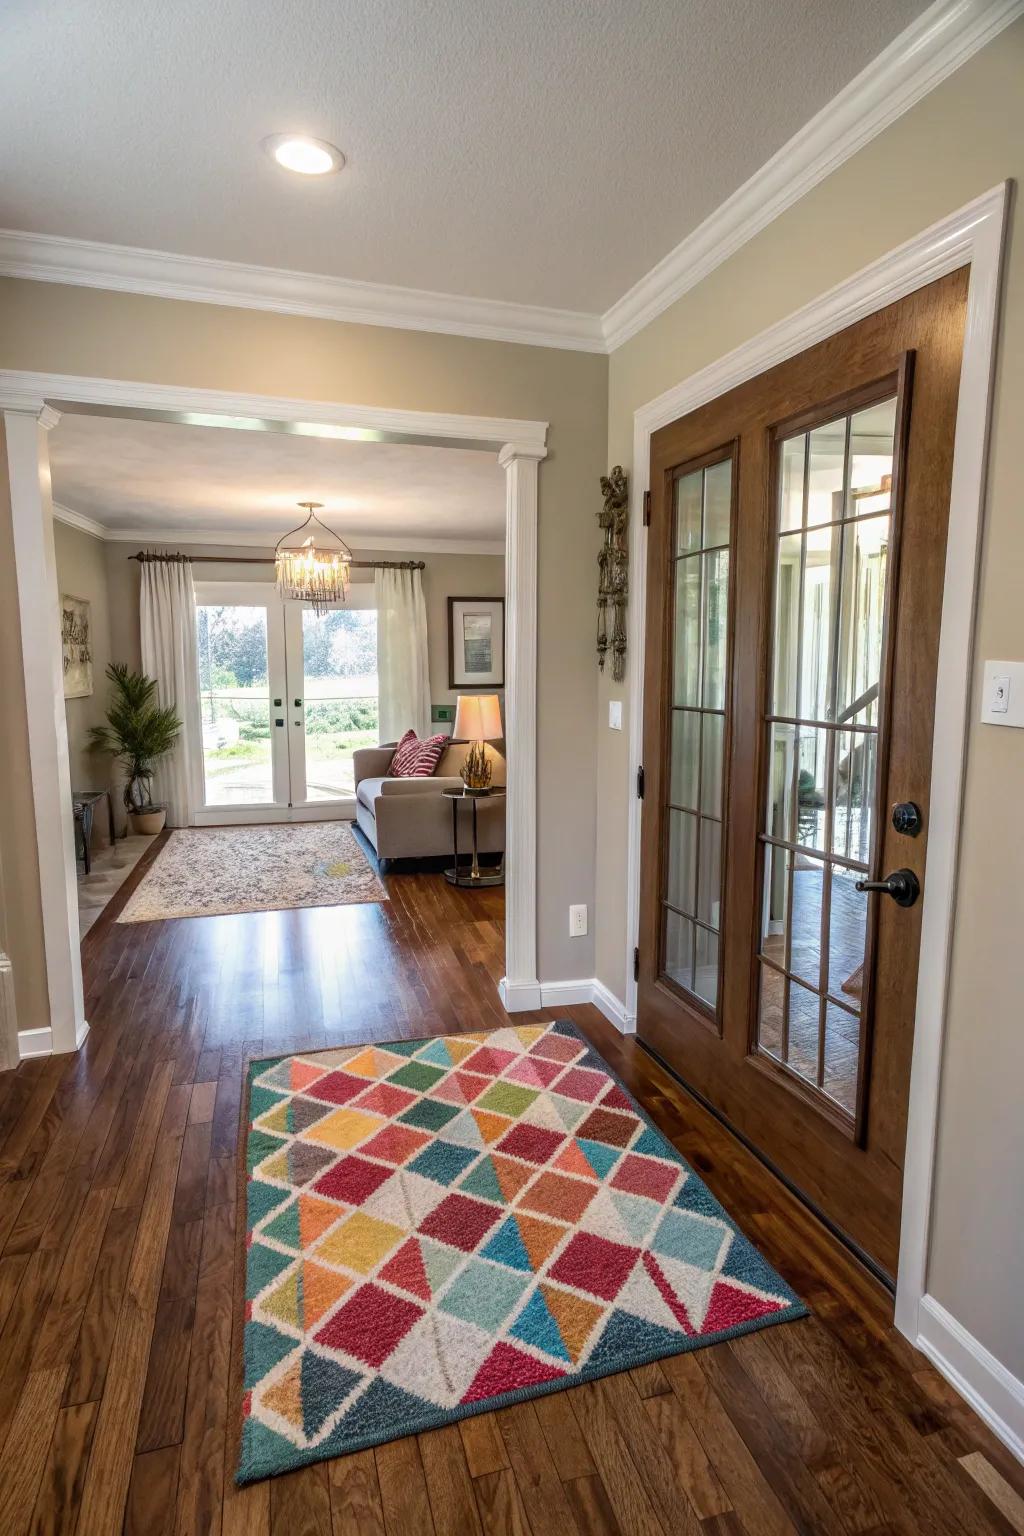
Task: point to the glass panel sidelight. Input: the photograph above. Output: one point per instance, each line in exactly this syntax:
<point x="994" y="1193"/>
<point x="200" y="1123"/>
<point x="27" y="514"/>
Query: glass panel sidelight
<point x="234" y="695"/>
<point x="694" y="810"/>
<point x="831" y="560"/>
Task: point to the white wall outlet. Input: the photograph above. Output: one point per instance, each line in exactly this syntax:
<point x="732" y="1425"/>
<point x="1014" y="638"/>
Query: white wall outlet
<point x="578" y="921"/>
<point x="1002" y="693"/>
<point x="615" y="714"/>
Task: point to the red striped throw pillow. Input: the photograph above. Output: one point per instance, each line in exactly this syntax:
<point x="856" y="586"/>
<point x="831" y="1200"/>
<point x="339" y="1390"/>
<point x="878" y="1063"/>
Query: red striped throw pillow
<point x="415" y="759"/>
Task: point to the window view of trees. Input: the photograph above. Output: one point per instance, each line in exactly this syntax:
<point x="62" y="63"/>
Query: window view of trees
<point x="339" y="672"/>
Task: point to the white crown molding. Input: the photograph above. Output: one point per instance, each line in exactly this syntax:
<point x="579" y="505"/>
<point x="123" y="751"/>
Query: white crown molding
<point x="942" y="38"/>
<point x="79" y="520"/>
<point x="127" y="269"/>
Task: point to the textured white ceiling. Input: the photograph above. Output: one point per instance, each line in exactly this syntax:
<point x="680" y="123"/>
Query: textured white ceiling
<point x="152" y="477"/>
<point x="539" y="151"/>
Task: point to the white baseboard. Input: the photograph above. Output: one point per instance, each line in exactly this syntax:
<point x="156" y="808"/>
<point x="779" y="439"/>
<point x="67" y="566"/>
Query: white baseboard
<point x="80" y="1034"/>
<point x="35" y="1042"/>
<point x="519" y="996"/>
<point x="555" y="994"/>
<point x="613" y="1008"/>
<point x="993" y="1392"/>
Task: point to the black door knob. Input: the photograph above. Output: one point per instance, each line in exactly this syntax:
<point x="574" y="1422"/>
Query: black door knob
<point x="902" y="885"/>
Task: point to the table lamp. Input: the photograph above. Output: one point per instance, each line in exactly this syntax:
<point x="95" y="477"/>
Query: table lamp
<point x="477" y="719"/>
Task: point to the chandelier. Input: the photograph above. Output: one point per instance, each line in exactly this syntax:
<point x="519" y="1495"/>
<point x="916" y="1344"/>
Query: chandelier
<point x="312" y="563"/>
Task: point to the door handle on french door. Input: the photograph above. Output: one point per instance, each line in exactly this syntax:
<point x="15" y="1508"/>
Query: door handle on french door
<point x="902" y="885"/>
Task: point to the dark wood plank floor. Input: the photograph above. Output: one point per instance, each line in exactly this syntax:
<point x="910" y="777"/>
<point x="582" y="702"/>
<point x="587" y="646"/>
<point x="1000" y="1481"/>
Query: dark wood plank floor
<point x="120" y="1305"/>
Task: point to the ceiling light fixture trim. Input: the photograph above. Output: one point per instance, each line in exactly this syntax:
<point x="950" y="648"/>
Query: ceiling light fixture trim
<point x="302" y="155"/>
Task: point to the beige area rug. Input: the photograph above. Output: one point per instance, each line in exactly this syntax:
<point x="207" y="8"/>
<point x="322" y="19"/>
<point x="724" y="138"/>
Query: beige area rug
<point x="210" y="871"/>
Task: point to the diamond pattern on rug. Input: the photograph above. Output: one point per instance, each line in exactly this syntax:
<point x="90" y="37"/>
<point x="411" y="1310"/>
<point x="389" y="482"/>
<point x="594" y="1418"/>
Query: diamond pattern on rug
<point x="442" y="1226"/>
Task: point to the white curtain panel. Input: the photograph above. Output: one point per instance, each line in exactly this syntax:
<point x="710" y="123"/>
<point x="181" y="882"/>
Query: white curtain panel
<point x="402" y="672"/>
<point x="167" y="614"/>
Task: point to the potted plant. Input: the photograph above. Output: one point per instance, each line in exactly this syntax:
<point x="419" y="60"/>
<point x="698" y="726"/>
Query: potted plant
<point x="138" y="733"/>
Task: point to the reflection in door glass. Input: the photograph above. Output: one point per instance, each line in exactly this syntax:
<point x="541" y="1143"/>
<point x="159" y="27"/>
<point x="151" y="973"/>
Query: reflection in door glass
<point x="693" y="813"/>
<point x="831" y="568"/>
<point x="235" y="702"/>
<point x="339" y="663"/>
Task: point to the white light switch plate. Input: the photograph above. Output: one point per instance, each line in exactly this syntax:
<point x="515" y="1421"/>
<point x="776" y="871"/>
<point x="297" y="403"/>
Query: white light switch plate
<point x="1002" y="693"/>
<point x="615" y="714"/>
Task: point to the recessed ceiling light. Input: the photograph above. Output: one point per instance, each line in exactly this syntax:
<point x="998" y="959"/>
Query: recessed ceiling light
<point x="310" y="157"/>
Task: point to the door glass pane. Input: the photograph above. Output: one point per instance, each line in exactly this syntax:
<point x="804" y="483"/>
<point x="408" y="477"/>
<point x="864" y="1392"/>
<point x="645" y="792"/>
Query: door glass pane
<point x="677" y="945"/>
<point x="234" y="692"/>
<point x="688" y="513"/>
<point x="832" y="589"/>
<point x="712" y="746"/>
<point x="339" y="682"/>
<point x="825" y="477"/>
<point x="842" y="1048"/>
<point x="817" y="622"/>
<point x="812" y="786"/>
<point x="787" y="623"/>
<point x="693" y="811"/>
<point x="705" y="965"/>
<point x="716" y="624"/>
<point x="686" y="650"/>
<point x="862" y="606"/>
<point x="681" y="876"/>
<point x="805" y="938"/>
<point x="685" y="758"/>
<point x="791" y="490"/>
<point x="717" y="504"/>
<point x="855" y="775"/>
<point x="709" y="882"/>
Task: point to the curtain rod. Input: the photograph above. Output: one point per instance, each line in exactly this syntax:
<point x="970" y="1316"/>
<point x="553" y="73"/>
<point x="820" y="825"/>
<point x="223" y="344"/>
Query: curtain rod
<point x="145" y="558"/>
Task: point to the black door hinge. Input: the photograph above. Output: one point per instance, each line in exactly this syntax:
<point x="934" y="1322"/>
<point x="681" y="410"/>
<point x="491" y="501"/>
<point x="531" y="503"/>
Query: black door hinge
<point x="647" y="509"/>
<point x="636" y="964"/>
<point x="640" y="782"/>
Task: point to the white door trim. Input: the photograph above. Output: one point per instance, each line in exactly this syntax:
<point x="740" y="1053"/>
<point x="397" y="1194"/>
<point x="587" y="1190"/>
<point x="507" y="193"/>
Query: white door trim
<point x="973" y="235"/>
<point x="520" y="446"/>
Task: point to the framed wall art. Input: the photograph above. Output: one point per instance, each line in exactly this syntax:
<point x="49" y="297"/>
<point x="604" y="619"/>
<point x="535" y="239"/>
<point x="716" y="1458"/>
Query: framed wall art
<point x="76" y="646"/>
<point x="476" y="642"/>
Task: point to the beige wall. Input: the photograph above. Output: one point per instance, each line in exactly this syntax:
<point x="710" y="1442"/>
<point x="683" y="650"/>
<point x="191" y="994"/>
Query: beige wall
<point x="82" y="572"/>
<point x="21" y="904"/>
<point x="958" y="142"/>
<point x="83" y="331"/>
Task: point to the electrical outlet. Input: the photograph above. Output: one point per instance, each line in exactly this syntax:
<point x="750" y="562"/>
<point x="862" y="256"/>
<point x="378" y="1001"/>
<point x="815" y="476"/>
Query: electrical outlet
<point x="578" y="921"/>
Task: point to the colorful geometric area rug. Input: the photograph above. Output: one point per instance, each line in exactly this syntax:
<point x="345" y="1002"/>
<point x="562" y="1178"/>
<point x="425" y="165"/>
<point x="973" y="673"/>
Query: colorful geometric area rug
<point x="440" y="1227"/>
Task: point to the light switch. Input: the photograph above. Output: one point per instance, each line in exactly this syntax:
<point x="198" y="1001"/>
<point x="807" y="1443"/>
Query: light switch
<point x="1002" y="693"/>
<point x="615" y="714"/>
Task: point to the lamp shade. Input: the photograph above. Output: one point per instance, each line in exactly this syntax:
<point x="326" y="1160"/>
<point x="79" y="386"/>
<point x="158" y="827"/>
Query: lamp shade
<point x="477" y="718"/>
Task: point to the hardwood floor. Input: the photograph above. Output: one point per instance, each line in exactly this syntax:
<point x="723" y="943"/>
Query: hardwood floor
<point x="120" y="1299"/>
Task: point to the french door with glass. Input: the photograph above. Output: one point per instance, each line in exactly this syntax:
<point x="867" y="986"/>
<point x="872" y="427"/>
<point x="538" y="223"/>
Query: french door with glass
<point x="286" y="696"/>
<point x="795" y="567"/>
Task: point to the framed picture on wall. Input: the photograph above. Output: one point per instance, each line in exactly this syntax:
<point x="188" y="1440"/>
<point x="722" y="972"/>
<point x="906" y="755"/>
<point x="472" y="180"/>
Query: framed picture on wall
<point x="476" y="642"/>
<point x="76" y="646"/>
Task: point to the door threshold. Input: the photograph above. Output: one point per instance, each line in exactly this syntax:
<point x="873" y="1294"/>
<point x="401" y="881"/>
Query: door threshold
<point x="850" y="1244"/>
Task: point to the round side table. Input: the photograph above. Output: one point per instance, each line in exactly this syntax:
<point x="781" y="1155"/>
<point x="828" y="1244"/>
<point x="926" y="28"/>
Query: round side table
<point x="475" y="875"/>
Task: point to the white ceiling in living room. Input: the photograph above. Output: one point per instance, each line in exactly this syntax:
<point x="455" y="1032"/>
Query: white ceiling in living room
<point x="159" y="480"/>
<point x="540" y="152"/>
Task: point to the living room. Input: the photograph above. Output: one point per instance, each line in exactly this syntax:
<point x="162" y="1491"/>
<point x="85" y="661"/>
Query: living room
<point x="289" y="698"/>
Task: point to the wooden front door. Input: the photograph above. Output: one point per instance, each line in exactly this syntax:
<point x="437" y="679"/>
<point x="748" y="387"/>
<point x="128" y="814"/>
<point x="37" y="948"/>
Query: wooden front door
<point x="795" y="572"/>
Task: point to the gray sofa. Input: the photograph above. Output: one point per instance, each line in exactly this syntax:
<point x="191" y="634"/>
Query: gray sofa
<point x="410" y="818"/>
